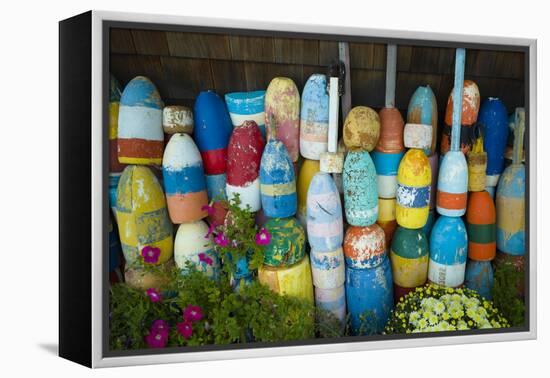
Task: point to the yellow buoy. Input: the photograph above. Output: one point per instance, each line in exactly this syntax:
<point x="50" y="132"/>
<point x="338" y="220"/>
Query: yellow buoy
<point x="307" y="171"/>
<point x="294" y="281"/>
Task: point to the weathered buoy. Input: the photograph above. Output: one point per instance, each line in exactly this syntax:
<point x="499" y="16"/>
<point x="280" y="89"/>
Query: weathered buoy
<point x="325" y="226"/>
<point x="510" y="197"/>
<point x="213" y="128"/>
<point x="479" y="277"/>
<point x="361" y="129"/>
<point x="294" y="281"/>
<point x="452" y="185"/>
<point x="282" y="104"/>
<point x="409" y="258"/>
<point x="215" y="187"/>
<point x="140" y="135"/>
<point x="417" y="135"/>
<point x="243" y="165"/>
<point x="386" y="165"/>
<point x="328" y="268"/>
<point x="314" y="117"/>
<point x="192" y="246"/>
<point x="114" y="106"/>
<point x="493" y="118"/>
<point x="391" y="131"/>
<point x="177" y="119"/>
<point x="386" y="217"/>
<point x="481" y="226"/>
<point x="448" y="252"/>
<point x="332" y="300"/>
<point x="434" y="166"/>
<point x="308" y="169"/>
<point x="470" y="110"/>
<point x="364" y="247"/>
<point x="422" y="109"/>
<point x="247" y="106"/>
<point x="477" y="164"/>
<point x="414" y="180"/>
<point x="369" y="297"/>
<point x="184" y="181"/>
<point x="277" y="181"/>
<point x="360" y="189"/>
<point x="114" y="179"/>
<point x="288" y="242"/>
<point x="142" y="216"/>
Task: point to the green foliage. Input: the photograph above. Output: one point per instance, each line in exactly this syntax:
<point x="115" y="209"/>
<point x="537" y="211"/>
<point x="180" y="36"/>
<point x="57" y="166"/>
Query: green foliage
<point x="369" y="323"/>
<point x="506" y="293"/>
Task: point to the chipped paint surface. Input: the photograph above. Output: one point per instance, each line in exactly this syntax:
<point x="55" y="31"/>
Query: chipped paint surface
<point x="288" y="242"/>
<point x="481" y="226"/>
<point x="413" y="193"/>
<point x="360" y="189"/>
<point x="361" y="129"/>
<point x="364" y="247"/>
<point x="333" y="300"/>
<point x="190" y="242"/>
<point x="479" y="277"/>
<point x="510" y="209"/>
<point x="308" y="169"/>
<point x="294" y="281"/>
<point x="314" y="117"/>
<point x="391" y="131"/>
<point x="470" y="104"/>
<point x="493" y="118"/>
<point x="423" y="109"/>
<point x="177" y="119"/>
<point x="452" y="185"/>
<point x="409" y="257"/>
<point x="418" y="136"/>
<point x="328" y="268"/>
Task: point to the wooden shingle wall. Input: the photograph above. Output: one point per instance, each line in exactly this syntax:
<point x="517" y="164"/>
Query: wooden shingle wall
<point x="182" y="64"/>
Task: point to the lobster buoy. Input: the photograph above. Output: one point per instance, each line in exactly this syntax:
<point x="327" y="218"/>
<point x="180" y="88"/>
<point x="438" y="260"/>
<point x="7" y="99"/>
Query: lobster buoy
<point x="142" y="216"/>
<point x="282" y="105"/>
<point x="386" y="217"/>
<point x="314" y="118"/>
<point x="493" y="118"/>
<point x="332" y="300"/>
<point x="140" y="135"/>
<point x="479" y="277"/>
<point x="247" y="106"/>
<point x="183" y="178"/>
<point x="294" y="281"/>
<point x="448" y="252"/>
<point x="391" y="131"/>
<point x="114" y="105"/>
<point x="481" y="225"/>
<point x="422" y="110"/>
<point x="510" y="209"/>
<point x="325" y="225"/>
<point x="361" y="129"/>
<point x="417" y="135"/>
<point x="477" y="164"/>
<point x="277" y="181"/>
<point x="452" y="186"/>
<point x="328" y="268"/>
<point x="386" y="165"/>
<point x="308" y="169"/>
<point x="192" y="246"/>
<point x="364" y="247"/>
<point x="243" y="165"/>
<point x="288" y="242"/>
<point x="360" y="189"/>
<point x="414" y="180"/>
<point x="177" y="119"/>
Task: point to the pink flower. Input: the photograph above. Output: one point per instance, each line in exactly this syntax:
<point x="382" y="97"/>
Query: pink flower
<point x="221" y="240"/>
<point x="211" y="229"/>
<point x="203" y="257"/>
<point x="209" y="209"/>
<point x="185" y="329"/>
<point x="156" y="339"/>
<point x="154" y="295"/>
<point x="159" y="325"/>
<point x="192" y="313"/>
<point x="263" y="237"/>
<point x="150" y="254"/>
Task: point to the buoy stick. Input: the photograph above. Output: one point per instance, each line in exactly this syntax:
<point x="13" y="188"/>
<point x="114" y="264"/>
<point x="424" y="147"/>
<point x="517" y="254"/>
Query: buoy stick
<point x="391" y="70"/>
<point x="343" y="54"/>
<point x="457" y="98"/>
<point x="518" y="135"/>
<point x="333" y="115"/>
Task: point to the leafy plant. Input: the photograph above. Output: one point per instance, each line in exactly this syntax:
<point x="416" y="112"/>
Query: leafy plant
<point x="506" y="294"/>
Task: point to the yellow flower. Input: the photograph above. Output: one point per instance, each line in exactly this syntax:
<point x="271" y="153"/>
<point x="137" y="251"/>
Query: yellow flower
<point x="422" y="323"/>
<point x="439" y="307"/>
<point x="445" y="316"/>
<point x="433" y="319"/>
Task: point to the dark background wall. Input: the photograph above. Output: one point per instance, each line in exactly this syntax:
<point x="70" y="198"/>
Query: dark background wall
<point x="181" y="64"/>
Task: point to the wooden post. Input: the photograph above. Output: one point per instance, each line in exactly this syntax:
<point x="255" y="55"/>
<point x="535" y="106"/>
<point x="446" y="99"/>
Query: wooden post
<point x="391" y="68"/>
<point x="333" y="115"/>
<point x="457" y="98"/>
<point x="343" y="53"/>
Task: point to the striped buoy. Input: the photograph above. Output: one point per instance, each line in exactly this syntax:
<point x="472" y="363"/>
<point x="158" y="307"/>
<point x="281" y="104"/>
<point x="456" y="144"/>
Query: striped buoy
<point x="391" y="131"/>
<point x="243" y="165"/>
<point x="448" y="252"/>
<point x="369" y="297"/>
<point x="114" y="106"/>
<point x="282" y="104"/>
<point x="479" y="277"/>
<point x="360" y="189"/>
<point x="414" y="179"/>
<point x="452" y="186"/>
<point x="177" y="119"/>
<point x="386" y="165"/>
<point x="477" y="164"/>
<point x="314" y="117"/>
<point x="183" y="178"/>
<point x="361" y="129"/>
<point x="332" y="300"/>
<point x="434" y="166"/>
<point x="142" y="216"/>
<point x="288" y="242"/>
<point x="409" y="260"/>
<point x="308" y="169"/>
<point x="140" y="135"/>
<point x="277" y="181"/>
<point x="327" y="268"/>
<point x="364" y="247"/>
<point x="325" y="226"/>
<point x="422" y="110"/>
<point x="192" y="246"/>
<point x="481" y="225"/>
<point x="294" y="281"/>
<point x="247" y="106"/>
<point x="417" y="135"/>
<point x="493" y="118"/>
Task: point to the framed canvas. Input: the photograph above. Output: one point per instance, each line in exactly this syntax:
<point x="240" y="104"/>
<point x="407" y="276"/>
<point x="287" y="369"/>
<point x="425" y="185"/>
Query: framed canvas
<point x="234" y="189"/>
